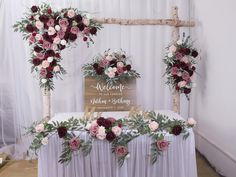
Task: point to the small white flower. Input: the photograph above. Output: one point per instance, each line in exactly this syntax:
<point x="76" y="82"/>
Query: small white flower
<point x="63" y="42"/>
<point x="44" y="141"/>
<point x="109" y="69"/>
<point x="57" y="27"/>
<point x="43" y="80"/>
<point x="179" y="42"/>
<point x="51" y="31"/>
<point x="50" y="59"/>
<point x="170" y="55"/>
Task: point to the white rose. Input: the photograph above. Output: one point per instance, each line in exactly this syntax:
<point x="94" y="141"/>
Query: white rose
<point x="50" y="59"/>
<point x="170" y="55"/>
<point x="116" y="130"/>
<point x="63" y="42"/>
<point x="172" y="49"/>
<point x="111" y="74"/>
<point x="36" y="17"/>
<point x="109" y="58"/>
<point x="179" y="42"/>
<point x="101" y="133"/>
<point x="57" y="27"/>
<point x="51" y="31"/>
<point x="38" y="37"/>
<point x="44" y="141"/>
<point x="191" y="121"/>
<point x="71" y="13"/>
<point x="39" y="128"/>
<point x="153" y="126"/>
<point x="39" y="24"/>
<point x="43" y="80"/>
<point x="114" y="69"/>
<point x="182" y="84"/>
<point x="56" y="68"/>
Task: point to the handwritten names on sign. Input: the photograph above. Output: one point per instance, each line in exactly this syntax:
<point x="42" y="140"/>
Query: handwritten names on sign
<point x="120" y="96"/>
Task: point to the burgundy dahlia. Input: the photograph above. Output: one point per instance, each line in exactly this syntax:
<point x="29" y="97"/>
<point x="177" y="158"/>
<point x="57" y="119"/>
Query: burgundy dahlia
<point x="176" y="130"/>
<point x="187" y="51"/>
<point x="29" y="28"/>
<point x="62" y="131"/>
<point x="36" y="61"/>
<point x="78" y="18"/>
<point x="93" y="30"/>
<point x="37" y="49"/>
<point x="44" y="18"/>
<point x="81" y="26"/>
<point x="34" y="9"/>
<point x="99" y="70"/>
<point x="110" y="136"/>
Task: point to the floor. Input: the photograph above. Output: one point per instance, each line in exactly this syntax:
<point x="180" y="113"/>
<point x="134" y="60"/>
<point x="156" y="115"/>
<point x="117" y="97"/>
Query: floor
<point x="29" y="169"/>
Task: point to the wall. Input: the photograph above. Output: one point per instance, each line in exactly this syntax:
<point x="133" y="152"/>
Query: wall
<point x="213" y="101"/>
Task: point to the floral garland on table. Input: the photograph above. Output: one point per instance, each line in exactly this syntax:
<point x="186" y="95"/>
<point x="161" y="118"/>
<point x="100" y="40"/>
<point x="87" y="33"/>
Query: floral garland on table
<point x="49" y="32"/>
<point x="117" y="132"/>
<point x="111" y="67"/>
<point x="180" y="60"/>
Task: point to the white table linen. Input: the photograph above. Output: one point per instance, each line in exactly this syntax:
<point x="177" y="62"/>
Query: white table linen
<point x="178" y="161"/>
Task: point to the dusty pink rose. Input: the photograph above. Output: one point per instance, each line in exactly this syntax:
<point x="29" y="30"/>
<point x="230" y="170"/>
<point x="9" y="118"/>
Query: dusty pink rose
<point x="185" y="76"/>
<point x="162" y="145"/>
<point x="121" y="151"/>
<point x="31" y="39"/>
<point x="86" y="31"/>
<point x="120" y="70"/>
<point x="63" y="22"/>
<point x="178" y="56"/>
<point x="46" y="45"/>
<point x="56" y="68"/>
<point x="174" y="70"/>
<point x="40" y="55"/>
<point x="51" y="31"/>
<point x="74" y="30"/>
<point x="120" y="64"/>
<point x="116" y="130"/>
<point x="39" y="128"/>
<point x="45" y="64"/>
<point x="182" y="84"/>
<point x="54" y="47"/>
<point x="74" y="143"/>
<point x="39" y="24"/>
<point x="93" y="129"/>
<point x="153" y="126"/>
<point x="61" y="34"/>
<point x="50" y="22"/>
<point x="184" y="59"/>
<point x="43" y="72"/>
<point x="172" y="49"/>
<point x="103" y="63"/>
<point x="71" y="13"/>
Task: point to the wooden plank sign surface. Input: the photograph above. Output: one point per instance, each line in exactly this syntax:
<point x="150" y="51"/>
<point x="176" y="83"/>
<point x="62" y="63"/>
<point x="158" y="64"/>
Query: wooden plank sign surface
<point x="120" y="96"/>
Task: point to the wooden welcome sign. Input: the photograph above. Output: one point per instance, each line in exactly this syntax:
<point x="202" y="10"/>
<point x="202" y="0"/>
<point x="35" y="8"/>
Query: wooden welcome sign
<point x="120" y="96"/>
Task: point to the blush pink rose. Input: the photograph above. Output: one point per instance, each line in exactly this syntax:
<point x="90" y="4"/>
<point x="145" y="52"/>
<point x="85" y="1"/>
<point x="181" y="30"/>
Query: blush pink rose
<point x="45" y="64"/>
<point x="39" y="24"/>
<point x="40" y="55"/>
<point x="51" y="31"/>
<point x="50" y="22"/>
<point x="43" y="72"/>
<point x="121" y="151"/>
<point x="116" y="130"/>
<point x="71" y="13"/>
<point x="111" y="74"/>
<point x="101" y="133"/>
<point x="191" y="121"/>
<point x="46" y="45"/>
<point x="162" y="145"/>
<point x="93" y="129"/>
<point x="103" y="63"/>
<point x="74" y="143"/>
<point x="185" y="76"/>
<point x="61" y="34"/>
<point x="74" y="30"/>
<point x="54" y="47"/>
<point x="120" y="64"/>
<point x="172" y="49"/>
<point x="120" y="70"/>
<point x="174" y="70"/>
<point x="184" y="59"/>
<point x="182" y="84"/>
<point x="39" y="128"/>
<point x="63" y="22"/>
<point x="86" y="21"/>
<point x="57" y="40"/>
<point x="153" y="126"/>
<point x="56" y="68"/>
<point x="31" y="39"/>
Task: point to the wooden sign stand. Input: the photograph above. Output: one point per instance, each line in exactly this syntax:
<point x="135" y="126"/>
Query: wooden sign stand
<point x="175" y="23"/>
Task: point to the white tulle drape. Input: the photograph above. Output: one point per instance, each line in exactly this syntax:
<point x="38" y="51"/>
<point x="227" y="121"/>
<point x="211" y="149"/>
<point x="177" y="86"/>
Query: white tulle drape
<point x="20" y="95"/>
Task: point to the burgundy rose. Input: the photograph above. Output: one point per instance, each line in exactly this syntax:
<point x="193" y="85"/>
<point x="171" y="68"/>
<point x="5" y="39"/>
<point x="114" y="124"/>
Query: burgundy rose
<point x="110" y="136"/>
<point x="95" y="65"/>
<point x="81" y="26"/>
<point x="100" y="121"/>
<point x="187" y="51"/>
<point x="37" y="49"/>
<point x="50" y="68"/>
<point x="111" y="119"/>
<point x="72" y="37"/>
<point x="74" y="143"/>
<point x="31" y="18"/>
<point x="194" y="53"/>
<point x="34" y="9"/>
<point x="49" y="75"/>
<point x="176" y="130"/>
<point x="29" y="28"/>
<point x="187" y="90"/>
<point x="57" y="55"/>
<point x="162" y="145"/>
<point x="128" y="67"/>
<point x="53" y="63"/>
<point x="50" y="53"/>
<point x="121" y="151"/>
<point x="47" y="37"/>
<point x="62" y="131"/>
<point x="61" y="47"/>
<point x="107" y="123"/>
<point x="44" y="18"/>
<point x="93" y="30"/>
<point x="78" y="18"/>
<point x="193" y="68"/>
<point x="177" y="88"/>
<point x="36" y="61"/>
<point x="63" y="22"/>
<point x="181" y="50"/>
<point x="99" y="70"/>
<point x="190" y="72"/>
<point x="113" y="62"/>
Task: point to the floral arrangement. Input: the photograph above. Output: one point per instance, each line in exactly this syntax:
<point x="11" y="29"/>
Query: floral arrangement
<point x="111" y="67"/>
<point x="48" y="33"/>
<point x="180" y="60"/>
<point x="117" y="132"/>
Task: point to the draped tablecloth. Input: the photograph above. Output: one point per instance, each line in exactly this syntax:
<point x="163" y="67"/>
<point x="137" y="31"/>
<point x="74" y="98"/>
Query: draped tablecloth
<point x="178" y="161"/>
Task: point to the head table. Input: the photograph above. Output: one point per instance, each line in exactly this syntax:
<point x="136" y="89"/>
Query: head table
<point x="178" y="161"/>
